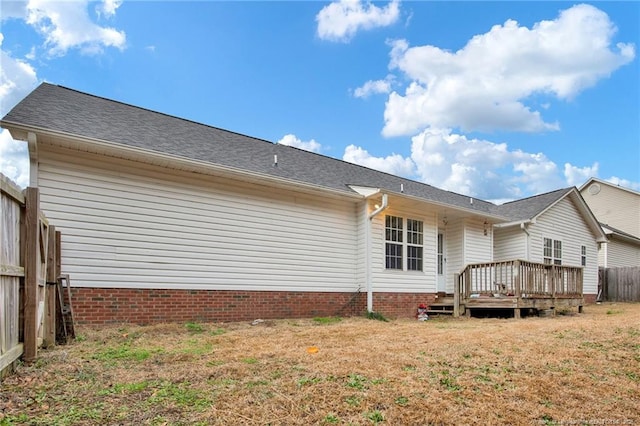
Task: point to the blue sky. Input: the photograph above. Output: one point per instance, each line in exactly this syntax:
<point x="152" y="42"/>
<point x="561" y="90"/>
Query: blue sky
<point x="497" y="100"/>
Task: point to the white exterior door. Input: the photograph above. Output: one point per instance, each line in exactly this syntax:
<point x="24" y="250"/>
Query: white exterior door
<point x="441" y="264"/>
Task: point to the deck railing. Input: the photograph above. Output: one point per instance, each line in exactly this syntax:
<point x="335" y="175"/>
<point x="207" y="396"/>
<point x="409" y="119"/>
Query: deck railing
<point x="519" y="278"/>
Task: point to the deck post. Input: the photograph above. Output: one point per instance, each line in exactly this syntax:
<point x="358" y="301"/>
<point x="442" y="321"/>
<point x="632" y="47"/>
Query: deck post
<point x="456" y="295"/>
<point x="517" y="279"/>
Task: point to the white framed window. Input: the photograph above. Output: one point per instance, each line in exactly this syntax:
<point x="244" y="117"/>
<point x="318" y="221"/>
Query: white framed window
<point x="552" y="252"/>
<point x="401" y="244"/>
<point x="393" y="245"/>
<point x="415" y="245"/>
<point x="583" y="255"/>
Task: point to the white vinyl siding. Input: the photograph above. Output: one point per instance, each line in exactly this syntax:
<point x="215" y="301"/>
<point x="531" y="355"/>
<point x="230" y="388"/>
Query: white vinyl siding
<point x="130" y="225"/>
<point x="477" y="245"/>
<point x="509" y="244"/>
<point x="563" y="222"/>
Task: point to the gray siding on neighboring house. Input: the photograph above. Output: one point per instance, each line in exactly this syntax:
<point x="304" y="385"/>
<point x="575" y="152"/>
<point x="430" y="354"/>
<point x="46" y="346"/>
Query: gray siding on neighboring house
<point x="621" y="254"/>
<point x="129" y="225"/>
<point x="563" y="222"/>
<point x="615" y="206"/>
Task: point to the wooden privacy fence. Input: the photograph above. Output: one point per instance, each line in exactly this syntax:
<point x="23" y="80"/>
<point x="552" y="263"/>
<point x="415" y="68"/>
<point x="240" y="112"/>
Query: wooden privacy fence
<point x="29" y="260"/>
<point x="619" y="284"/>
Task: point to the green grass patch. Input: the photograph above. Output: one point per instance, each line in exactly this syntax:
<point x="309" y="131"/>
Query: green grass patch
<point x="357" y="381"/>
<point x="194" y="327"/>
<point x="376" y="316"/>
<point x="123" y="352"/>
<point x="327" y="320"/>
<point x="181" y="394"/>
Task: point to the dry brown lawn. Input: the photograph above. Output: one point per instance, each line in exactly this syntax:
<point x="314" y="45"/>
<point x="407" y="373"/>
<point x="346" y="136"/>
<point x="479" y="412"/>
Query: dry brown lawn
<point x="567" y="370"/>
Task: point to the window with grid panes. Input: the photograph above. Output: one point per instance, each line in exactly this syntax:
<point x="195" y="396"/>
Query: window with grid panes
<point x="552" y="252"/>
<point x="393" y="245"/>
<point x="414" y="245"/>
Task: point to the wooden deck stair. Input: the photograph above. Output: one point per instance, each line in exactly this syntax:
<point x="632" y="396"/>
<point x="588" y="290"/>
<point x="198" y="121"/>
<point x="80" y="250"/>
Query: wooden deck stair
<point x="443" y="305"/>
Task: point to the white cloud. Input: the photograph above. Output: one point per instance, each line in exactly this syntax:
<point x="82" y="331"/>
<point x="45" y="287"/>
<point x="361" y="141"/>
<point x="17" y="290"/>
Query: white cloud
<point x="474" y="167"/>
<point x="340" y="20"/>
<point x="14" y="159"/>
<point x="395" y="164"/>
<point x="484" y="86"/>
<point x="17" y="79"/>
<point x="66" y="25"/>
<point x="372" y="87"/>
<point x="108" y="7"/>
<point x="292" y="140"/>
<point x="624" y="183"/>
<point x="576" y="176"/>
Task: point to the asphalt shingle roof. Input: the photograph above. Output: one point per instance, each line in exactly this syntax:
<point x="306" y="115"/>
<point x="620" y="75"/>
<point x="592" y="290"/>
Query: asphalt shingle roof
<point x="59" y="109"/>
<point x="528" y="208"/>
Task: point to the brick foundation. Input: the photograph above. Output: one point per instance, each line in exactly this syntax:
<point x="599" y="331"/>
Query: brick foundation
<point x="99" y="306"/>
<point x="590" y="298"/>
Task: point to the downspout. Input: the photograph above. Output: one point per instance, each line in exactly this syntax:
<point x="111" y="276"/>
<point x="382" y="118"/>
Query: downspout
<point x="33" y="159"/>
<point x="523" y="226"/>
<point x="385" y="204"/>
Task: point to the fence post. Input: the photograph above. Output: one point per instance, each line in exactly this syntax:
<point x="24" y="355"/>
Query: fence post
<point x="32" y="229"/>
<point x="52" y="278"/>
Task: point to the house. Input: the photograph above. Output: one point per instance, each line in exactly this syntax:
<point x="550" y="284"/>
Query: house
<point x="618" y="211"/>
<point x="165" y="219"/>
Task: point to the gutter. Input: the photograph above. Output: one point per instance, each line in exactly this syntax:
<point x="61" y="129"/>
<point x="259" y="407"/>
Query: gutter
<point x="368" y="272"/>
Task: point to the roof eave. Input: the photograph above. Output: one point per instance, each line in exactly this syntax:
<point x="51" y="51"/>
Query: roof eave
<point x="20" y="132"/>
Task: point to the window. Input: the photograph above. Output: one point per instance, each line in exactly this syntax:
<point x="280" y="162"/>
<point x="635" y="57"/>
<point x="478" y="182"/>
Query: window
<point x="552" y="252"/>
<point x="397" y="243"/>
<point x="440" y="254"/>
<point x="414" y="245"/>
<point x="583" y="257"/>
<point x="393" y="246"/>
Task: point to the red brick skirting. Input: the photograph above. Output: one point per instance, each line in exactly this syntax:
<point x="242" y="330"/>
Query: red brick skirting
<point x="97" y="306"/>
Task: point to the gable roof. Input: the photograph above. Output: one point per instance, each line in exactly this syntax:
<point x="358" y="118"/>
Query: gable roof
<point x="62" y="111"/>
<point x="93" y="121"/>
<point x="527" y="210"/>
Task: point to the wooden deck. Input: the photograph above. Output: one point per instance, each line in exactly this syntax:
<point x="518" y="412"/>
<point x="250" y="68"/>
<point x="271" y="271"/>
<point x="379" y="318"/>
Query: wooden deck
<point x="517" y="285"/>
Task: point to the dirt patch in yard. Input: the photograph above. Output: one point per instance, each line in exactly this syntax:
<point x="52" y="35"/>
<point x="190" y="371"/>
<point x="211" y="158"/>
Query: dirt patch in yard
<point x="569" y="369"/>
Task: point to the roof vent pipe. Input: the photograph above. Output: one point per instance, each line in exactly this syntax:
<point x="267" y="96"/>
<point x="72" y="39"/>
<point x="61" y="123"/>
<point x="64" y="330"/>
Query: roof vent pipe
<point x="402" y="188"/>
<point x="470" y="200"/>
<point x="275" y="160"/>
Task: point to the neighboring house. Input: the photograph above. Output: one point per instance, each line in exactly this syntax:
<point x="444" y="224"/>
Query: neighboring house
<point x="165" y="219"/>
<point x="618" y="211"/>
